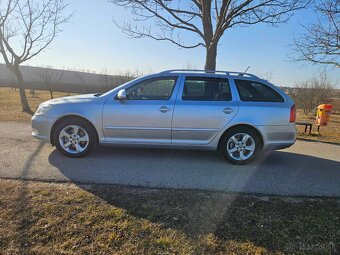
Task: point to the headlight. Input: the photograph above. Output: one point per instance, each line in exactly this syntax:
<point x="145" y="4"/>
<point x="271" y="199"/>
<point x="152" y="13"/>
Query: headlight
<point x="42" y="109"/>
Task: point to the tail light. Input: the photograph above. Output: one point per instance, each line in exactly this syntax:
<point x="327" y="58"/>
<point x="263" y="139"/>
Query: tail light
<point x="292" y="116"/>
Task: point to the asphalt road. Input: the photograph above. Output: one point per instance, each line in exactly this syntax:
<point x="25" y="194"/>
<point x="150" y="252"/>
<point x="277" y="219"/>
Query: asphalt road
<point x="307" y="168"/>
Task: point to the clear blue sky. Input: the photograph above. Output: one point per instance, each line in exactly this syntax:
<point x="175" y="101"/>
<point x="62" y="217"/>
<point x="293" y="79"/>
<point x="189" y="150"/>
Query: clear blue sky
<point x="92" y="42"/>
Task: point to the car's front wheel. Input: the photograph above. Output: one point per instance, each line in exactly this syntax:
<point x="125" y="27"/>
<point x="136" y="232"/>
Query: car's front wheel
<point x="240" y="145"/>
<point x="74" y="137"/>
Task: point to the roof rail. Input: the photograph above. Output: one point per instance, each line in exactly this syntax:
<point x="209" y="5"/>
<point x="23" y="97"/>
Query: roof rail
<point x="228" y="73"/>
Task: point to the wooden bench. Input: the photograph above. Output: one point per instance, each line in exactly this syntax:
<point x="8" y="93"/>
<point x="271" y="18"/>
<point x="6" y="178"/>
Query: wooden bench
<point x="306" y="124"/>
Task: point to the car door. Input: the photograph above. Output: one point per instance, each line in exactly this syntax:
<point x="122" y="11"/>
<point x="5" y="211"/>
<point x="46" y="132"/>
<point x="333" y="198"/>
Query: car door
<point x="145" y="115"/>
<point x="203" y="107"/>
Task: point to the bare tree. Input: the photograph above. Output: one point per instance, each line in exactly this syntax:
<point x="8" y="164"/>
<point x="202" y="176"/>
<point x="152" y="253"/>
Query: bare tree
<point x="106" y="80"/>
<point x="207" y="19"/>
<point x="189" y="66"/>
<point x="82" y="82"/>
<point x="123" y="76"/>
<point x="310" y="93"/>
<point x="128" y="75"/>
<point x="320" y="44"/>
<point x="49" y="78"/>
<point x="269" y="76"/>
<point x="27" y="27"/>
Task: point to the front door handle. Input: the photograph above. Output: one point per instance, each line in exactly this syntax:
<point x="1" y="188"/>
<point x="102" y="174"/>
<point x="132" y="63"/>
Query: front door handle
<point x="164" y="109"/>
<point x="228" y="110"/>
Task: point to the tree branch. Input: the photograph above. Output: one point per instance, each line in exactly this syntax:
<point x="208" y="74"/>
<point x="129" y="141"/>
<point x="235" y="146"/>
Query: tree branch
<point x="319" y="44"/>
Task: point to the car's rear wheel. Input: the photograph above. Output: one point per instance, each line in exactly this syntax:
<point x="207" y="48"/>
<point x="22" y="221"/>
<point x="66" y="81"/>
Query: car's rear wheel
<point x="74" y="137"/>
<point x="240" y="145"/>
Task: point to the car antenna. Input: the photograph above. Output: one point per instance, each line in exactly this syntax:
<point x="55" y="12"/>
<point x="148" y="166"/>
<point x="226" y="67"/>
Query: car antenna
<point x="245" y="71"/>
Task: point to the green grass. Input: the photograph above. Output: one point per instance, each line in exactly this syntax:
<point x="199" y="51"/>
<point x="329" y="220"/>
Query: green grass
<point x="43" y="218"/>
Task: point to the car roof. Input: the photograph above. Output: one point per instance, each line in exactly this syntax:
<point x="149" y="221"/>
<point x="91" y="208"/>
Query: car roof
<point x="223" y="74"/>
<point x="229" y="74"/>
<point x="209" y="73"/>
<point x="219" y="74"/>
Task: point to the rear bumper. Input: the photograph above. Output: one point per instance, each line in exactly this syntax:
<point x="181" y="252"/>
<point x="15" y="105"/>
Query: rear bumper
<point x="278" y="137"/>
<point x="41" y="128"/>
<point x="277" y="146"/>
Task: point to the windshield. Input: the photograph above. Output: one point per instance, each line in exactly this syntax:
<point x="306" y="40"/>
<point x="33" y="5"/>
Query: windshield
<point x="118" y="88"/>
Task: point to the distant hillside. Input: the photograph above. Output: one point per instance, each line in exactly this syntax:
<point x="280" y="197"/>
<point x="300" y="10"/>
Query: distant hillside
<point x="70" y="81"/>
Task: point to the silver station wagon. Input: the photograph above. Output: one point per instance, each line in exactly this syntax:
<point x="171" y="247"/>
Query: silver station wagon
<point x="238" y="114"/>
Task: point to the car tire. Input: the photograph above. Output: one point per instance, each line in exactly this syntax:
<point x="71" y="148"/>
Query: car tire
<point x="240" y="145"/>
<point x="75" y="137"/>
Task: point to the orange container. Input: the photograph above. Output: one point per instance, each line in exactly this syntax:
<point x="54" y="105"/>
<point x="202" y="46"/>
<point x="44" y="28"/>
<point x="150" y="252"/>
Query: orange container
<point x="323" y="114"/>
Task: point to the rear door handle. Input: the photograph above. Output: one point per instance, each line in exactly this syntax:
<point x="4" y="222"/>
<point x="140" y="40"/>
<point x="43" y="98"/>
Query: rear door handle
<point x="164" y="109"/>
<point x="228" y="110"/>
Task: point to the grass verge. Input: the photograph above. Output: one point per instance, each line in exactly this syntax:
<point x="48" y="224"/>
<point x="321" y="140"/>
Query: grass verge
<point x="44" y="218"/>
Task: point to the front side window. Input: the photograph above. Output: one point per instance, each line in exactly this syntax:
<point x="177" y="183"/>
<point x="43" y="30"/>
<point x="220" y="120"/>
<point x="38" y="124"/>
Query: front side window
<point x="152" y="89"/>
<point x="257" y="92"/>
<point x="206" y="89"/>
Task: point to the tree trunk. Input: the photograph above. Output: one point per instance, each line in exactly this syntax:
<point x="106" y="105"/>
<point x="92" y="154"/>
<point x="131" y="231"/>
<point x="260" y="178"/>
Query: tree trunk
<point x="210" y="58"/>
<point x="24" y="102"/>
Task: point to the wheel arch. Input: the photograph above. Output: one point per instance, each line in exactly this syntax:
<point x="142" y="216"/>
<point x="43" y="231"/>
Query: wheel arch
<point x="70" y="116"/>
<point x="237" y="126"/>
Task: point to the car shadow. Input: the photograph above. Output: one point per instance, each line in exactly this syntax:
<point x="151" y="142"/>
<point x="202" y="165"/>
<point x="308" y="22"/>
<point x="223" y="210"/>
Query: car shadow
<point x="197" y="212"/>
<point x="278" y="172"/>
<point x="268" y="222"/>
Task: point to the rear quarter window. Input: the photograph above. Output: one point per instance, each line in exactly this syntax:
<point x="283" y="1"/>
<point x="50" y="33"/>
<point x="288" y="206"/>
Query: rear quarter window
<point x="251" y="91"/>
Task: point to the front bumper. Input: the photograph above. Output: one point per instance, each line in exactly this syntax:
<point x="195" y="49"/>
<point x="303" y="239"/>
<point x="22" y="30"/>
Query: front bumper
<point x="41" y="128"/>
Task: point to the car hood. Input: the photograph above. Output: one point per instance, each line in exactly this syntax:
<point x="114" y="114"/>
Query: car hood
<point x="72" y="99"/>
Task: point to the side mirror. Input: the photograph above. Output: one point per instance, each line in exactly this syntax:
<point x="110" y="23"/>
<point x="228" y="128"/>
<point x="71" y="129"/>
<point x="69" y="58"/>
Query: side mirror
<point x="121" y="94"/>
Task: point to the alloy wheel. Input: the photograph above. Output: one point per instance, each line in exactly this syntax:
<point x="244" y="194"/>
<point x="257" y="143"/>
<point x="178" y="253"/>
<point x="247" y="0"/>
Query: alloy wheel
<point x="74" y="139"/>
<point x="241" y="146"/>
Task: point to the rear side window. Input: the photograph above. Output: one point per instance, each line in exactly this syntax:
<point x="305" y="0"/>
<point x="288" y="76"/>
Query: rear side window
<point x="257" y="92"/>
<point x="206" y="89"/>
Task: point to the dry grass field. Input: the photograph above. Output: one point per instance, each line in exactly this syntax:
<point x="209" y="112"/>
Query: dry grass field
<point x="10" y="106"/>
<point x="10" y="109"/>
<point x="329" y="133"/>
<point x="49" y="218"/>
